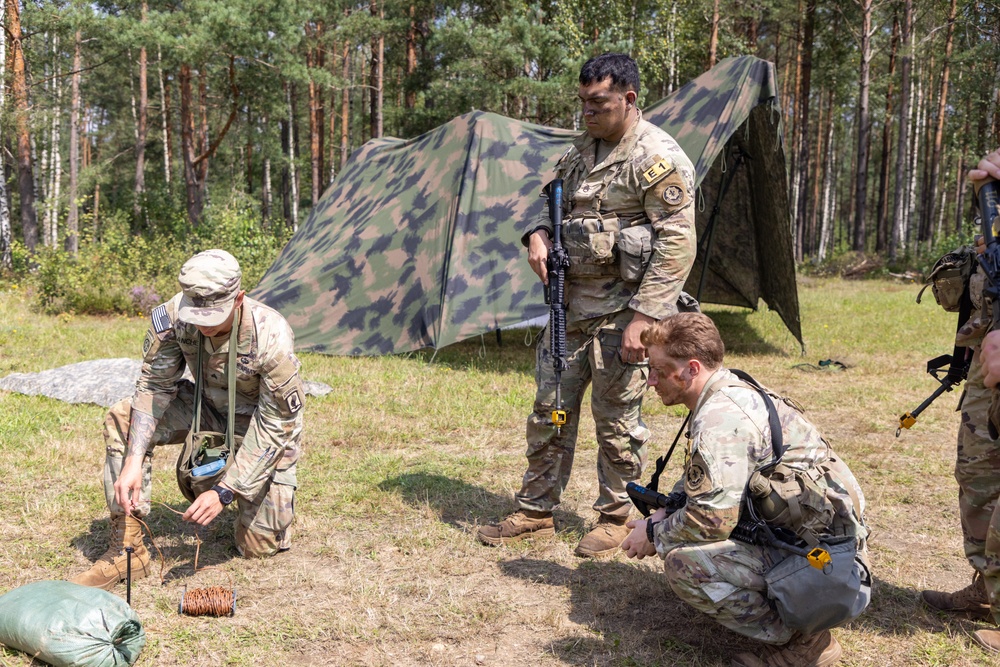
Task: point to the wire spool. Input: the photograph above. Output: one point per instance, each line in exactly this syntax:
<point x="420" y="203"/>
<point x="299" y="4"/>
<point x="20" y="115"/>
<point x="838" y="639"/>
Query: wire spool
<point x="211" y="601"/>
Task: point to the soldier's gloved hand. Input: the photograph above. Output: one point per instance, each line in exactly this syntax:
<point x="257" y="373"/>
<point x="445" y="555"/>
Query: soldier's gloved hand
<point x="539" y="245"/>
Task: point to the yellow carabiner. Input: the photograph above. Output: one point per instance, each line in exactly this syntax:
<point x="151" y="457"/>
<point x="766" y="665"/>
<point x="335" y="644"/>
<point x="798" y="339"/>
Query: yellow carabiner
<point x="819" y="558"/>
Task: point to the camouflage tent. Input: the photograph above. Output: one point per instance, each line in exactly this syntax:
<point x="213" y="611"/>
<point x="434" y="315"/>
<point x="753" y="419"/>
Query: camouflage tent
<point x="416" y="243"/>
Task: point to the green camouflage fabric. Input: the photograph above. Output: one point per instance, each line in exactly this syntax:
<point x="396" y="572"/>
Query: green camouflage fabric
<point x="645" y="180"/>
<point x="416" y="243"/>
<point x="269" y="407"/>
<point x="730" y="437"/>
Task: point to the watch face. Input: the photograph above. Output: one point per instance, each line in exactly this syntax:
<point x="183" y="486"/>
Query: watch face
<point x="225" y="495"/>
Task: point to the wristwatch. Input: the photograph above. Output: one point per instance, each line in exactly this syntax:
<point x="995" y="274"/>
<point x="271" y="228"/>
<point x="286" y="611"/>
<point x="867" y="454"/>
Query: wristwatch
<point x="225" y="495"/>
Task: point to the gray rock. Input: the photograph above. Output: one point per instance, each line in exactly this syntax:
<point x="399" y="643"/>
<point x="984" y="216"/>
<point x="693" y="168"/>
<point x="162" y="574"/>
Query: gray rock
<point x="101" y="381"/>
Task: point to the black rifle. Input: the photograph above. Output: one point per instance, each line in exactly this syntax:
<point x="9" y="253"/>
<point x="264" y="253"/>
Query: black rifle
<point x="555" y="296"/>
<point x="648" y="500"/>
<point x="989" y="198"/>
<point x="958" y="369"/>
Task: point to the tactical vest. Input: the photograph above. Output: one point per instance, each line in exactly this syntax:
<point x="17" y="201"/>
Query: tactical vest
<point x="602" y="244"/>
<point x="798" y="501"/>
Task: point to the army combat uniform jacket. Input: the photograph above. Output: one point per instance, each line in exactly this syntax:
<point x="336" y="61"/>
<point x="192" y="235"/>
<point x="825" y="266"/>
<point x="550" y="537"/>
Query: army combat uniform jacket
<point x="730" y="437"/>
<point x="629" y="224"/>
<point x="269" y="393"/>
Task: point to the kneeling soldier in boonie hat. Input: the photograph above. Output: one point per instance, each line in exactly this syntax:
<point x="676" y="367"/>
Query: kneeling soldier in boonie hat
<point x="212" y="313"/>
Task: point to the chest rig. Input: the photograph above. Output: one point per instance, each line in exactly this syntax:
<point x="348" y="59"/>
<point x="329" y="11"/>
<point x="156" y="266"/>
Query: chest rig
<point x="591" y="235"/>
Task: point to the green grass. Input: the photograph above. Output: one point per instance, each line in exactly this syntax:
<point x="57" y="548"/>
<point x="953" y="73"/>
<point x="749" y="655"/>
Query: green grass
<point x="407" y="456"/>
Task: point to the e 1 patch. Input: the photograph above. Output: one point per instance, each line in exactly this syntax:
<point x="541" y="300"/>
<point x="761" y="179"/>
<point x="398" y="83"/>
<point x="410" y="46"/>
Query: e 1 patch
<point x="661" y="167"/>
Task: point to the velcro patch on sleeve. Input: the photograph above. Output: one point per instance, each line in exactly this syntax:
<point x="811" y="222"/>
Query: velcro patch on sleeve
<point x="161" y="321"/>
<point x="656" y="168"/>
<point x="150" y="344"/>
<point x="286" y="385"/>
<point x="672" y="192"/>
<point x="697" y="479"/>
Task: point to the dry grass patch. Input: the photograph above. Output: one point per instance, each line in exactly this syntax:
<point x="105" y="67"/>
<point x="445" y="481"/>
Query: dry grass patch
<point x="407" y="457"/>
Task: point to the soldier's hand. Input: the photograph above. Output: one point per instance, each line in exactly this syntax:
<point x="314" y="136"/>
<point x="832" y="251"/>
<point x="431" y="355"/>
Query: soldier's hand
<point x="539" y="245"/>
<point x="205" y="507"/>
<point x="989" y="355"/>
<point x="636" y="545"/>
<point x="632" y="350"/>
<point x="988" y="167"/>
<point x="129" y="484"/>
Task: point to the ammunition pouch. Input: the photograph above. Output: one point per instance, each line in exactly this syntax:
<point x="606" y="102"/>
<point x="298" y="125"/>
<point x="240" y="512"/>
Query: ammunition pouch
<point x="805" y="502"/>
<point x="949" y="278"/>
<point x="635" y="249"/>
<point x="590" y="241"/>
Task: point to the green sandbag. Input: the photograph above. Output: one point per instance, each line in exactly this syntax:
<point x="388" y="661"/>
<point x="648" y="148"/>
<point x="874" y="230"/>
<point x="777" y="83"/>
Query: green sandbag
<point x="68" y="625"/>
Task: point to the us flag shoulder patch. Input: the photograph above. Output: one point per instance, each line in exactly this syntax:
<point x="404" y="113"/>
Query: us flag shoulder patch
<point x="161" y="321"/>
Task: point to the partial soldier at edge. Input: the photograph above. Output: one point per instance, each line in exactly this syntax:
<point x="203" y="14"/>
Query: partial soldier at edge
<point x="977" y="466"/>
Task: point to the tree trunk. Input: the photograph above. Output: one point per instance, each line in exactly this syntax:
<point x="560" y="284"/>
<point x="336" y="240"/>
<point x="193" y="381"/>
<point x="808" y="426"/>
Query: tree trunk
<point x="345" y="107"/>
<point x="191" y="184"/>
<point x="903" y="142"/>
<point x="292" y="171"/>
<point x="916" y="111"/>
<point x="55" y="177"/>
<point x="803" y="122"/>
<point x="377" y="70"/>
<point x="829" y="200"/>
<point x="932" y="181"/>
<point x="72" y="241"/>
<point x="312" y="62"/>
<point x="410" y="99"/>
<point x="864" y="127"/>
<point x="6" y="239"/>
<point x="882" y="208"/>
<point x="713" y="38"/>
<point x="164" y="118"/>
<point x="19" y="93"/>
<point x="138" y="205"/>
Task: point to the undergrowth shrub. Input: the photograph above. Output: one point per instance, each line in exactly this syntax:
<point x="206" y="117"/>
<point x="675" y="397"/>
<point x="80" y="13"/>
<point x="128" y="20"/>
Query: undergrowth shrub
<point x="121" y="272"/>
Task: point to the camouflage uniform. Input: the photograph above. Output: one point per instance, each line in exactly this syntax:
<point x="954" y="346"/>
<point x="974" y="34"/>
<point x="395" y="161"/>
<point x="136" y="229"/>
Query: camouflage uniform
<point x="729" y="438"/>
<point x="977" y="464"/>
<point x="646" y="183"/>
<point x="269" y="404"/>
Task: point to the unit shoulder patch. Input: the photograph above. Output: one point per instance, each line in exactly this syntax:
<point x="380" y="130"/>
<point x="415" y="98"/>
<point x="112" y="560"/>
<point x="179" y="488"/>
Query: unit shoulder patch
<point x="672" y="192"/>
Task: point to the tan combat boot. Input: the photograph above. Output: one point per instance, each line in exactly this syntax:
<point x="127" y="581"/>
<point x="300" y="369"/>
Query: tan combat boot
<point x="988" y="639"/>
<point x="517" y="526"/>
<point x="605" y="539"/>
<point x="112" y="567"/>
<point x="818" y="650"/>
<point x="971" y="600"/>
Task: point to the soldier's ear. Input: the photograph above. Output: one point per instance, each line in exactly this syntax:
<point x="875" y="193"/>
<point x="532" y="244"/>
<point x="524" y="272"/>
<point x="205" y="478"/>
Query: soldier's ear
<point x="630" y="98"/>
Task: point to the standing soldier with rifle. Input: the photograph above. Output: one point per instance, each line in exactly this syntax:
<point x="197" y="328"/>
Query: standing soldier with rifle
<point x="977" y="467"/>
<point x="629" y="235"/>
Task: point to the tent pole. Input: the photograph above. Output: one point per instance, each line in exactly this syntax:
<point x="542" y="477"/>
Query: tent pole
<point x="706" y="247"/>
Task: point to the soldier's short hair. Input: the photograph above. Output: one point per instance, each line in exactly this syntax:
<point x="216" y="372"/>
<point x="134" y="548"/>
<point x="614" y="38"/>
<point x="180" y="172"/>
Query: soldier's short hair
<point x="619" y="67"/>
<point x="687" y="336"/>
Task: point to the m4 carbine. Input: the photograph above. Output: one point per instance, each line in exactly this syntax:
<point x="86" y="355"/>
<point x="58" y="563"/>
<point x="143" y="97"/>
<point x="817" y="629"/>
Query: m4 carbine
<point x="555" y="296"/>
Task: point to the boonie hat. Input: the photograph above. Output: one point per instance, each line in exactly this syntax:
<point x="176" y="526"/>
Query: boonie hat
<point x="210" y="282"/>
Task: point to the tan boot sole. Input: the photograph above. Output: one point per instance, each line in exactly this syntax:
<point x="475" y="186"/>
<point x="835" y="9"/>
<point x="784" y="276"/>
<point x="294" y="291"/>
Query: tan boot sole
<point x="499" y="541"/>
<point x="604" y="553"/>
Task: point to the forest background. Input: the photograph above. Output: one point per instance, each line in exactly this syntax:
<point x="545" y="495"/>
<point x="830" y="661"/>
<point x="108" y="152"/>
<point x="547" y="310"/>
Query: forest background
<point x="134" y="133"/>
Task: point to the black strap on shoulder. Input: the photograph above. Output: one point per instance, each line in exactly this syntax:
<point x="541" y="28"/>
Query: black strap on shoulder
<point x="777" y="439"/>
<point x="661" y="463"/>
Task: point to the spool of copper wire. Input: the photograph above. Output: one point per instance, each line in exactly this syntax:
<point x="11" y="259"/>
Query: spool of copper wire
<point x="211" y="601"/>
